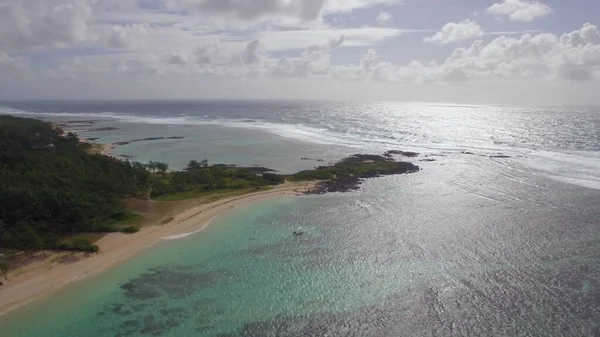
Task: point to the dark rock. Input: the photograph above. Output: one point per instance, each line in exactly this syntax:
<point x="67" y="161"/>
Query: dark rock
<point x="258" y="169"/>
<point x="314" y="159"/>
<point x="401" y="153"/>
<point x="147" y="139"/>
<point x="500" y="156"/>
<point x="80" y="122"/>
<point x="353" y="182"/>
<point x="107" y="128"/>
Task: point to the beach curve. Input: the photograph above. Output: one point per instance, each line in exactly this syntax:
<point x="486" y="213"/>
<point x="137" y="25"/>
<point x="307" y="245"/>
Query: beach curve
<point x="41" y="281"/>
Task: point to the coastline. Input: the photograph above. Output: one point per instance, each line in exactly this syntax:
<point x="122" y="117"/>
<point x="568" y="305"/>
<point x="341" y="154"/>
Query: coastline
<point x="41" y="280"/>
<point x="105" y="149"/>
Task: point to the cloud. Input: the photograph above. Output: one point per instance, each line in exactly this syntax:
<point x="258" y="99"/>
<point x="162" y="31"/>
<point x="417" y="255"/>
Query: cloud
<point x="254" y="53"/>
<point x="574" y="56"/>
<point x="299" y="39"/>
<point x="587" y="34"/>
<point x="296" y="11"/>
<point x="42" y="23"/>
<point x="16" y="66"/>
<point x="454" y="32"/>
<point x="544" y="58"/>
<point x="305" y="10"/>
<point x="128" y="36"/>
<point x="520" y="10"/>
<point x="109" y="44"/>
<point x="383" y="18"/>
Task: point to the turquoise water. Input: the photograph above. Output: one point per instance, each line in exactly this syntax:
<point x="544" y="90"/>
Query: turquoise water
<point x="245" y="267"/>
<point x="475" y="244"/>
<point x="407" y="256"/>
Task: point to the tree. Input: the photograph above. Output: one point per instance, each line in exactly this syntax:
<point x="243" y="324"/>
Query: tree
<point x="206" y="177"/>
<point x="179" y="181"/>
<point x="47" y="194"/>
<point x="162" y="167"/>
<point x="153" y="166"/>
<point x="30" y="241"/>
<point x="193" y="165"/>
<point x="4" y="268"/>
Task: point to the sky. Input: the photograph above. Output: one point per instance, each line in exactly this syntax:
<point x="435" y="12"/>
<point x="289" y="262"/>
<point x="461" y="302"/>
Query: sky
<point x="455" y="51"/>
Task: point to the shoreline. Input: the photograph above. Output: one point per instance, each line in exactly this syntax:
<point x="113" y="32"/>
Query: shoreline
<point x="41" y="281"/>
<point x="105" y="149"/>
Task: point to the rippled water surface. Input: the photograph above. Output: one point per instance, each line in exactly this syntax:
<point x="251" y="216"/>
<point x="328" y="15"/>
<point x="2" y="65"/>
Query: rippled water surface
<point x="498" y="235"/>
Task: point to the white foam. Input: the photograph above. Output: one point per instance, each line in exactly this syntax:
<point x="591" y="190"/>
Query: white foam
<point x="575" y="167"/>
<point x="184" y="235"/>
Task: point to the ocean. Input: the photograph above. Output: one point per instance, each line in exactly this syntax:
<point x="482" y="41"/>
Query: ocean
<point x="497" y="235"/>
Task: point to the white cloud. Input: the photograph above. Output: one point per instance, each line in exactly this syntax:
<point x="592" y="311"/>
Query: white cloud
<point x="454" y="32"/>
<point x="349" y="5"/>
<point x="383" y="18"/>
<point x="299" y="39"/>
<point x="42" y="23"/>
<point x="306" y="10"/>
<point x="574" y="56"/>
<point x="16" y="66"/>
<point x="128" y="36"/>
<point x="520" y="10"/>
<point x="542" y="58"/>
<point x="274" y="45"/>
<point x="296" y="11"/>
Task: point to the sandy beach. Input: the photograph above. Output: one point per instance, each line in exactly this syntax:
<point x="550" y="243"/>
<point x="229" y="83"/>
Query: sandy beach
<point x="99" y="148"/>
<point x="41" y="279"/>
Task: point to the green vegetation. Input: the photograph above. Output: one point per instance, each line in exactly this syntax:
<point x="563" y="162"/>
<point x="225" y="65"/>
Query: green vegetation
<point x="4" y="268"/>
<point x="199" y="179"/>
<point x="55" y="190"/>
<point x="362" y="166"/>
<point x="50" y="186"/>
<point x="79" y="243"/>
<point x="130" y="230"/>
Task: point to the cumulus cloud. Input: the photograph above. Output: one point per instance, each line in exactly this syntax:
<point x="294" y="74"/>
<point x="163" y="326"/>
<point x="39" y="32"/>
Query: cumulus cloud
<point x="573" y="57"/>
<point x="42" y="23"/>
<point x="454" y="32"/>
<point x="275" y="41"/>
<point x="383" y="18"/>
<point x="520" y="10"/>
<point x="254" y="53"/>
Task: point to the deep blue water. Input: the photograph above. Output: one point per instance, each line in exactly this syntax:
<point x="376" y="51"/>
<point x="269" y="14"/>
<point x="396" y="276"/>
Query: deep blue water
<point x="473" y="245"/>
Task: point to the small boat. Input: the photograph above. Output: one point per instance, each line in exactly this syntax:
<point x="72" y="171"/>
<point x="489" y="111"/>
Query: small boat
<point x="299" y="231"/>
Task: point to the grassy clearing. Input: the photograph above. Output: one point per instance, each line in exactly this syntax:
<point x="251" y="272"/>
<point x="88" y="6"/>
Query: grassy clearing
<point x="210" y="196"/>
<point x="130" y="219"/>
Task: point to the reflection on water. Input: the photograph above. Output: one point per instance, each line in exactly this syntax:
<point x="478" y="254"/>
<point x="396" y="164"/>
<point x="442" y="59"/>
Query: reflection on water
<point x="470" y="246"/>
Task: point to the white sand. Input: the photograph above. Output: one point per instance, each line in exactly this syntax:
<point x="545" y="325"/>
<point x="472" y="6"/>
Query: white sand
<point x="41" y="279"/>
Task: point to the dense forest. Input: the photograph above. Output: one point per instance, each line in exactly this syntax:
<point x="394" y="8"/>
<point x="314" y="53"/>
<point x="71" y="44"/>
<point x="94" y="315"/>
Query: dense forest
<point x="53" y="186"/>
<point x="50" y="186"/>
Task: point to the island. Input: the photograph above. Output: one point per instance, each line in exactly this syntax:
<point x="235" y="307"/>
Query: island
<point x="58" y="193"/>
